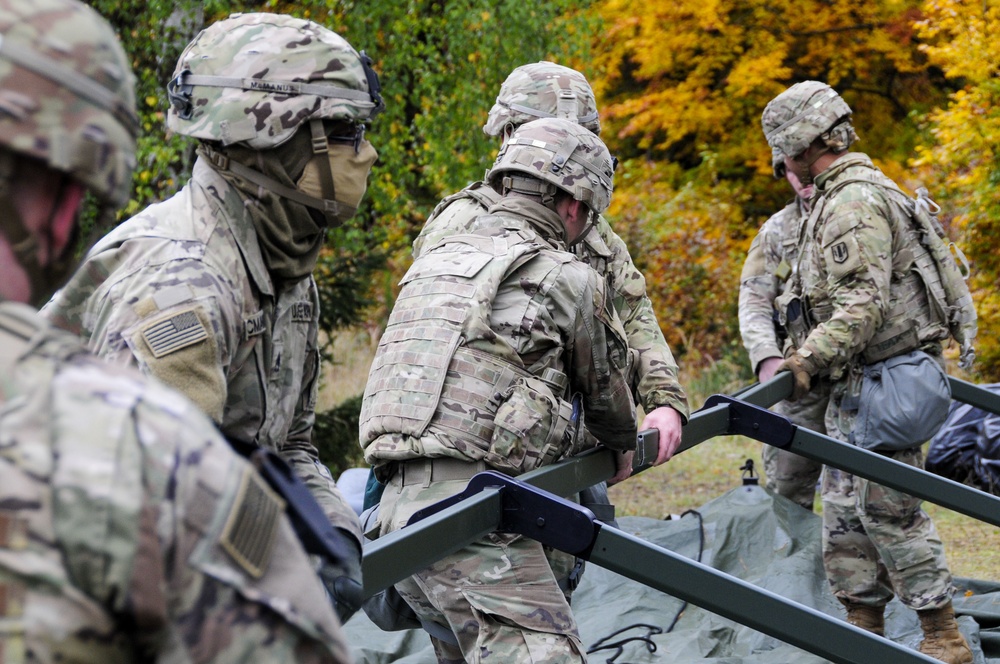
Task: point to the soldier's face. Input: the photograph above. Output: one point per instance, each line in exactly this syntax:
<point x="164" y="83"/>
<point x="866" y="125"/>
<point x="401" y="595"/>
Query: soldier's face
<point x="802" y="191"/>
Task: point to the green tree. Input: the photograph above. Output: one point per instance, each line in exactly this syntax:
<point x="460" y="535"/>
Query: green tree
<point x="440" y="64"/>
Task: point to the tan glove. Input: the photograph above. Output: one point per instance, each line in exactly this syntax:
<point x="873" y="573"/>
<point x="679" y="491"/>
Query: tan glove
<point x="801" y="370"/>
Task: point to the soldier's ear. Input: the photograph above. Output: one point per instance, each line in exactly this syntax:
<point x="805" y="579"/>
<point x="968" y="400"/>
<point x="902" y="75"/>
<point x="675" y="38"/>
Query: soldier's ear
<point x="65" y="216"/>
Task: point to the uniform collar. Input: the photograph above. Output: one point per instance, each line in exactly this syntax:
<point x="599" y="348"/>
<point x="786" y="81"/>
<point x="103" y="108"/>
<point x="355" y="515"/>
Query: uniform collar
<point x="837" y="168"/>
<point x="544" y="221"/>
<point x="228" y="210"/>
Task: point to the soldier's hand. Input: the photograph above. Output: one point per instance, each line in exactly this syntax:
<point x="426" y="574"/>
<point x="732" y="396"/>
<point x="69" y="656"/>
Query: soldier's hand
<point x="800" y="369"/>
<point x="343" y="583"/>
<point x="668" y="422"/>
<point x="623" y="463"/>
<point x="767" y="369"/>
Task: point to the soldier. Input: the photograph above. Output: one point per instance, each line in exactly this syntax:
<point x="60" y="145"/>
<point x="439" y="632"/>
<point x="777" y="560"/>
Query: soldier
<point x="544" y="90"/>
<point x="123" y="529"/>
<point x="494" y="332"/>
<point x="855" y="298"/>
<point x="212" y="291"/>
<point x="765" y="275"/>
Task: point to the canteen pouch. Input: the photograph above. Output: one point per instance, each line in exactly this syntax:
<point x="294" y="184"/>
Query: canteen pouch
<point x="904" y="401"/>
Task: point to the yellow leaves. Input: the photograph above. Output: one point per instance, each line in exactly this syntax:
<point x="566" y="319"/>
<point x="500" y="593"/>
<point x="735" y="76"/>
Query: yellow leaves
<point x="748" y="72"/>
<point x="962" y="37"/>
<point x="673" y="65"/>
<point x="152" y="100"/>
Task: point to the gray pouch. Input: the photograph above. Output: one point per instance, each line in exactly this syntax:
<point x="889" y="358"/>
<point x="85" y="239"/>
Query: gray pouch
<point x="904" y="401"/>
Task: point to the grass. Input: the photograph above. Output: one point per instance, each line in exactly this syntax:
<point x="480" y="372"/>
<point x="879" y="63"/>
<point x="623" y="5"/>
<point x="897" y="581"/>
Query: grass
<point x="703" y="472"/>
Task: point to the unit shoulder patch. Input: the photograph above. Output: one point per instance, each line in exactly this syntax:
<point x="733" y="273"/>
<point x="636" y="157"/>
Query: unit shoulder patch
<point x="839" y="252"/>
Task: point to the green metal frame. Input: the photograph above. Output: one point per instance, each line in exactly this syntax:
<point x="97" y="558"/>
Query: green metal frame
<point x="448" y="531"/>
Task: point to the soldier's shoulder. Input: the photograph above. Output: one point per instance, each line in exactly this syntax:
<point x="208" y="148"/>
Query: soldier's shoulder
<point x="571" y="275"/>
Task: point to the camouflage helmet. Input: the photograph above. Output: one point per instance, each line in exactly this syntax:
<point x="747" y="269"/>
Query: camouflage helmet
<point x="543" y="90"/>
<point x="67" y="94"/>
<point x="801" y="114"/>
<point x="562" y="155"/>
<point x="254" y="79"/>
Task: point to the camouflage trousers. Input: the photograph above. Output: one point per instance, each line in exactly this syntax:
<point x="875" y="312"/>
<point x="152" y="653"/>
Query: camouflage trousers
<point x="786" y="473"/>
<point x="498" y="595"/>
<point x="878" y="541"/>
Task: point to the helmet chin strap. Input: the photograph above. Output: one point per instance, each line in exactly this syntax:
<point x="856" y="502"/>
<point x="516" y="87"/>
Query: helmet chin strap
<point x="330" y="208"/>
<point x="803" y="168"/>
<point x="591" y="220"/>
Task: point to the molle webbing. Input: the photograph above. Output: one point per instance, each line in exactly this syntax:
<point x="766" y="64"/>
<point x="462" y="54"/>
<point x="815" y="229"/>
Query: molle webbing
<point x="931" y="298"/>
<point x="476" y="385"/>
<point x="422" y="376"/>
<point x="480" y="192"/>
<point x="407" y="376"/>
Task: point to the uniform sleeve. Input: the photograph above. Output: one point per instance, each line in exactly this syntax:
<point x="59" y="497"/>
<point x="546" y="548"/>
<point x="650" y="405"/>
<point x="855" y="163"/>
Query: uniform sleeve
<point x="758" y="289"/>
<point x="207" y="508"/>
<point x="298" y="449"/>
<point x="856" y="246"/>
<point x="655" y="371"/>
<point x="599" y="362"/>
<point x="176" y="321"/>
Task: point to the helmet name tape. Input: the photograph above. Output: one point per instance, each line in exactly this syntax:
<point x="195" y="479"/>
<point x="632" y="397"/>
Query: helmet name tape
<point x="180" y="88"/>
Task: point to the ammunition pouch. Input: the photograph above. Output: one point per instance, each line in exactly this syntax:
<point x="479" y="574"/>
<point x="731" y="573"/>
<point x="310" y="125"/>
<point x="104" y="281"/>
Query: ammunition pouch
<point x="532" y="426"/>
<point x="793" y="316"/>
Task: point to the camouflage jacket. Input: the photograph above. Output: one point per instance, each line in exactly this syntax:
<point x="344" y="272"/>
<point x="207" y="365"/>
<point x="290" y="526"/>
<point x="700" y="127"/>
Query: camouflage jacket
<point x="123" y="529"/>
<point x="854" y="276"/>
<point x="654" y="377"/>
<point x="182" y="291"/>
<point x="765" y="275"/>
<point x="504" y="300"/>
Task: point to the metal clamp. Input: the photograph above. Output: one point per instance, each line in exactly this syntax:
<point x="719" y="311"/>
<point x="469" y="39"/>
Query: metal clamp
<point x="754" y="422"/>
<point x="529" y="511"/>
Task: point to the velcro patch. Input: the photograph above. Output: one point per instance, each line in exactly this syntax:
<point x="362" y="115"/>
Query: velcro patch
<point x="171" y="334"/>
<point x="253" y="325"/>
<point x="302" y="312"/>
<point x="250" y="529"/>
<point x="13" y="531"/>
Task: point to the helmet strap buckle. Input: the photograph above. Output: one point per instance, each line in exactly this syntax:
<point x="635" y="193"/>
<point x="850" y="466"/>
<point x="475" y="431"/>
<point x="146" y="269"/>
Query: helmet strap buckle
<point x="179" y="94"/>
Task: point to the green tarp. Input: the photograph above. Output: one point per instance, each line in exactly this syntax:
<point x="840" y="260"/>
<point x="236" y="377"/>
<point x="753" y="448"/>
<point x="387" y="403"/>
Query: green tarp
<point x="747" y="533"/>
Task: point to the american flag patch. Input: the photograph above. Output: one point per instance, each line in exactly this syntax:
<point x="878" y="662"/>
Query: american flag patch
<point x="171" y="334"/>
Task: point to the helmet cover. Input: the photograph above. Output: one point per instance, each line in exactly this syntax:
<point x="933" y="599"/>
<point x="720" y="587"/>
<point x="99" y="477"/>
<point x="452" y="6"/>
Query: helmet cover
<point x="543" y="90"/>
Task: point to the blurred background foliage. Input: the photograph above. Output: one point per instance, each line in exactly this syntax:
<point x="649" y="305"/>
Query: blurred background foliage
<point x="681" y="85"/>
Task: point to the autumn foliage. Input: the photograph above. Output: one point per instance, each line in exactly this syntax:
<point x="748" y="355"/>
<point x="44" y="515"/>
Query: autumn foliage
<point x="682" y="85"/>
<point x="961" y="155"/>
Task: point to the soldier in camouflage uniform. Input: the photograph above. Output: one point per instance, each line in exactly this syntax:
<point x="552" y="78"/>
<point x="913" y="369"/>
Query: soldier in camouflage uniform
<point x="542" y="90"/>
<point x="212" y="291"/>
<point x="765" y="276"/>
<point x="854" y="299"/>
<point x="496" y="333"/>
<point x="124" y="534"/>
